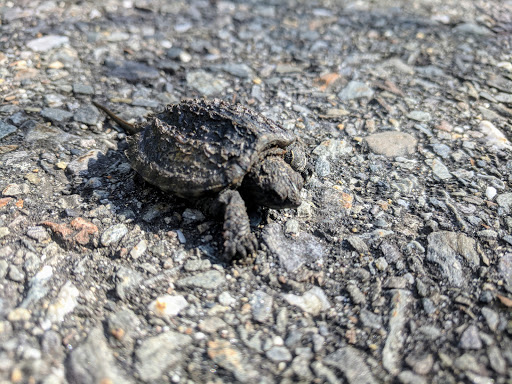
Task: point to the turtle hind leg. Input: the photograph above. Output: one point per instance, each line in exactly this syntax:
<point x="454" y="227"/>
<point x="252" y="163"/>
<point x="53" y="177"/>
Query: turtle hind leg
<point x="238" y="238"/>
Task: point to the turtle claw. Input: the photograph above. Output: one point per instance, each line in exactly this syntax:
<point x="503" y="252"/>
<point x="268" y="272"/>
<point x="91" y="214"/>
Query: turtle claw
<point x="238" y="238"/>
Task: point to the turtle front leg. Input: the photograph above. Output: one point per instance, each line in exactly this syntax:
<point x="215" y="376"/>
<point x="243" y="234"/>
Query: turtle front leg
<point x="238" y="238"/>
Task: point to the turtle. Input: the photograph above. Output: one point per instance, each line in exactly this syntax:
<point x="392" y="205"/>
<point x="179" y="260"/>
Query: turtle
<point x="222" y="153"/>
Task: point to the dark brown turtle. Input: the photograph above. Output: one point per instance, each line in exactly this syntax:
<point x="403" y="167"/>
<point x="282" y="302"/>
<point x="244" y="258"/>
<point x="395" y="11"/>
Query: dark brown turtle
<point x="208" y="148"/>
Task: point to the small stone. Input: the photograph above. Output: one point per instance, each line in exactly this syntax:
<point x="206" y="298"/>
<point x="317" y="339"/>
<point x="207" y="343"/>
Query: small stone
<point x="370" y="319"/>
<point x="168" y="305"/>
<point x="493" y="136"/>
<point x="223" y="353"/>
<point x="504" y="200"/>
<point x="46" y="43"/>
<point x="419" y="116"/>
<point x="472" y="29"/>
<point x="355" y="90"/>
<point x="88" y="115"/>
<point x="322" y="167"/>
<point x="313" y="301"/>
<point x="113" y="234"/>
<point x="355" y="293"/>
<point x="191" y="216"/>
<point x="15" y="274"/>
<point x="442" y="150"/>
<point x="446" y="249"/>
<point x="156" y="355"/>
<point x="261" y="304"/>
<point x="381" y="264"/>
<point x="392" y="143"/>
<point x="351" y="362"/>
<point x="56" y="115"/>
<point x="226" y="299"/>
<point x="496" y="360"/>
<point x="392" y="352"/>
<point x="505" y="269"/>
<point x="470" y="338"/>
<point x="80" y="166"/>
<point x="4" y="267"/>
<point x="206" y="83"/>
<point x="206" y="280"/>
<point x="212" y="324"/>
<point x="83" y="89"/>
<point x="65" y="303"/>
<point x="358" y="244"/>
<point x="333" y="149"/>
<point x="19" y="314"/>
<point x="440" y="170"/>
<point x="134" y="71"/>
<point x="491" y="317"/>
<point x="13" y="190"/>
<point x="277" y="354"/>
<point x="93" y="362"/>
<point x="239" y="70"/>
<point x="38" y="233"/>
<point x="6" y="129"/>
<point x="4" y="231"/>
<point x="127" y="282"/>
<point x="490" y="192"/>
<point x="291" y="227"/>
<point x="139" y="249"/>
<point x="409" y="377"/>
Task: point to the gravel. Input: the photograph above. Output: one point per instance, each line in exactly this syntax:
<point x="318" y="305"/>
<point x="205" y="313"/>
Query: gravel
<point x="396" y="267"/>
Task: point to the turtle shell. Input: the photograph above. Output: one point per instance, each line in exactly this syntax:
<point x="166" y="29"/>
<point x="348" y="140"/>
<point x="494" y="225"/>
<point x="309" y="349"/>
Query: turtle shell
<point x="200" y="147"/>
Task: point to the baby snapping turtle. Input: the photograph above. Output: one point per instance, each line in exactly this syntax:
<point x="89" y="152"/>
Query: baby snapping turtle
<point x="208" y="148"/>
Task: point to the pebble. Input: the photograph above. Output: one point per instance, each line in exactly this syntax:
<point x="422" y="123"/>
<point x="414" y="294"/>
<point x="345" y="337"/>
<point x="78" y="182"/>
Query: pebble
<point x="292" y="253"/>
<point x="355" y="90"/>
<point x="505" y="269"/>
<point x="4" y="231"/>
<point x="88" y="115"/>
<point x="381" y="264"/>
<point x="351" y="362"/>
<point x="206" y="280"/>
<point x="223" y="353"/>
<point x="291" y="227"/>
<point x="496" y="360"/>
<point x="493" y="136"/>
<point x="191" y="216"/>
<point x="123" y="326"/>
<point x="392" y="352"/>
<point x="94" y="352"/>
<point x="158" y="354"/>
<point x="65" y="303"/>
<point x="446" y="250"/>
<point x="206" y="83"/>
<point x="134" y="71"/>
<point x="113" y="234"/>
<point x="333" y="149"/>
<point x="440" y="170"/>
<point x="370" y="319"/>
<point x="226" y="299"/>
<point x="127" y="282"/>
<point x="313" y="301"/>
<point x="261" y="305"/>
<point x="14" y="190"/>
<point x="504" y="200"/>
<point x="19" y="314"/>
<point x="409" y="377"/>
<point x="239" y="70"/>
<point x="83" y="89"/>
<point x="358" y="244"/>
<point x="139" y="249"/>
<point x="322" y="167"/>
<point x="470" y="338"/>
<point x="490" y="192"/>
<point x="15" y="274"/>
<point x="6" y="129"/>
<point x="278" y="354"/>
<point x="442" y="150"/>
<point x="4" y="267"/>
<point x="168" y="306"/>
<point x="419" y="116"/>
<point x="38" y="233"/>
<point x="47" y="43"/>
<point x="469" y="28"/>
<point x="212" y="324"/>
<point x="392" y="143"/>
<point x="80" y="166"/>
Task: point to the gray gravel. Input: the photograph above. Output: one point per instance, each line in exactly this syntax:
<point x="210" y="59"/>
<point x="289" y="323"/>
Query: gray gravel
<point x="396" y="268"/>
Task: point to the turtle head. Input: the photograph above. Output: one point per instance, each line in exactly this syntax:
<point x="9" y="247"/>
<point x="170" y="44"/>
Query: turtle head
<point x="273" y="183"/>
<point x="296" y="157"/>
